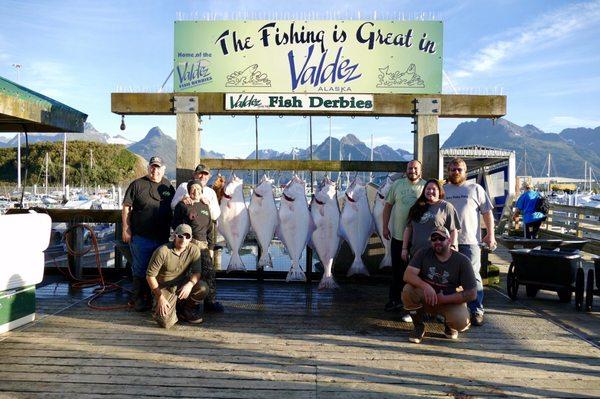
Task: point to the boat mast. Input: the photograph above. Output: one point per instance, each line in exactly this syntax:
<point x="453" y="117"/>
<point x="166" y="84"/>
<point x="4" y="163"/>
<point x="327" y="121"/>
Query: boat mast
<point x="64" y="174"/>
<point x="46" y="178"/>
<point x="548" y="175"/>
<point x="584" y="175"/>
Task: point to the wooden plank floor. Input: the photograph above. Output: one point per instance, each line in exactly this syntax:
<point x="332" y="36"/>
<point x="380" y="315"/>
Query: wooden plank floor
<point x="280" y="340"/>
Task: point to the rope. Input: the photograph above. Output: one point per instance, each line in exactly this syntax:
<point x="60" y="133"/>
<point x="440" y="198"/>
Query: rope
<point x="103" y="288"/>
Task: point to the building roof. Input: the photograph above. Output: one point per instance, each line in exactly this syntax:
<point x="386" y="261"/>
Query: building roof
<point x="22" y="109"/>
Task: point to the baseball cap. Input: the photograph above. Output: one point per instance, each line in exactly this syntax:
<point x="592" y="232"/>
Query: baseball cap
<point x="440" y="230"/>
<point x="201" y="168"/>
<point x="183" y="229"/>
<point x="155" y="160"/>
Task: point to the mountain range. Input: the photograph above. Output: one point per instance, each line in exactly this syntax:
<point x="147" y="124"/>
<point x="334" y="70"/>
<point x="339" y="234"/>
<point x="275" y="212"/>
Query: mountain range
<point x="569" y="149"/>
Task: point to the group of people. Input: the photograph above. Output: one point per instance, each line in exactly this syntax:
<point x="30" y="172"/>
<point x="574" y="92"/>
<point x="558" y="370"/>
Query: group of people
<point x="176" y="279"/>
<point x="435" y="239"/>
<point x="435" y="245"/>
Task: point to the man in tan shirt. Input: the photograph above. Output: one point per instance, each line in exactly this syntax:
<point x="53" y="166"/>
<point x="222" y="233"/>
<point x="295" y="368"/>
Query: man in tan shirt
<point x="174" y="277"/>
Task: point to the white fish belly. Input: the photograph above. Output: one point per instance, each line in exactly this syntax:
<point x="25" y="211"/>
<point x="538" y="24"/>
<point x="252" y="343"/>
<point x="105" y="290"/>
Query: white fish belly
<point x="294" y="228"/>
<point x="325" y="238"/>
<point x="264" y="221"/>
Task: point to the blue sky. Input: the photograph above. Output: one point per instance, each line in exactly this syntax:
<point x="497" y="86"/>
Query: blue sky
<point x="544" y="55"/>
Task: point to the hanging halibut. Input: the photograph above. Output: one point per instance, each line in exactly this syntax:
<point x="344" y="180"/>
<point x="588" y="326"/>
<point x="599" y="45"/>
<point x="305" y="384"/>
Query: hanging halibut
<point x="378" y="218"/>
<point x="263" y="218"/>
<point x="295" y="225"/>
<point x="234" y="221"/>
<point x="325" y="239"/>
<point x="356" y="224"/>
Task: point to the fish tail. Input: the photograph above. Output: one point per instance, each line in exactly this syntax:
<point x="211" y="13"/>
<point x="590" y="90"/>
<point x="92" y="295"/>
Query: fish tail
<point x="265" y="260"/>
<point x="295" y="273"/>
<point x="358" y="267"/>
<point x="387" y="260"/>
<point x="328" y="283"/>
<point x="235" y="263"/>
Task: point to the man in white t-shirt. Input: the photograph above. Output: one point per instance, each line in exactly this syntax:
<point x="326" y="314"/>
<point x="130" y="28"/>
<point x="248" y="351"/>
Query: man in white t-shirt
<point x="471" y="202"/>
<point x="209" y="197"/>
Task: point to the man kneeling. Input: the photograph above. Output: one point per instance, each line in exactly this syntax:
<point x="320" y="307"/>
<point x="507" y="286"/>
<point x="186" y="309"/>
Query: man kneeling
<point x="433" y="278"/>
<point x="174" y="277"/>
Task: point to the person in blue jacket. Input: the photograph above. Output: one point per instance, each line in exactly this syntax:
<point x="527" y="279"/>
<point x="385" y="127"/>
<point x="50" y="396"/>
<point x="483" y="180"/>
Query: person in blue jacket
<point x="526" y="205"/>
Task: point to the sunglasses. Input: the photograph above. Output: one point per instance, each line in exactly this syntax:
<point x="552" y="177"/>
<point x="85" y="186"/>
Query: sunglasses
<point x="456" y="170"/>
<point x="437" y="238"/>
<point x="185" y="235"/>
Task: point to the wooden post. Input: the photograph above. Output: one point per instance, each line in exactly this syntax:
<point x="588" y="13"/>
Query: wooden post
<point x="427" y="145"/>
<point x="188" y="145"/>
<point x="76" y="244"/>
<point x="580" y="218"/>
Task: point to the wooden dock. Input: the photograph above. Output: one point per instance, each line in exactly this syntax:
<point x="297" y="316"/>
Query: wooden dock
<point x="280" y="340"/>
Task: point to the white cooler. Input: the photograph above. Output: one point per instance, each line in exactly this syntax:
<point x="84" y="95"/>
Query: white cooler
<point x="23" y="239"/>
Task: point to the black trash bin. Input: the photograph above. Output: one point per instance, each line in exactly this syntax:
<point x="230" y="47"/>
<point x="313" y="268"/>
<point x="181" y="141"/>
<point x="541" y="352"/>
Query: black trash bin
<point x="539" y="269"/>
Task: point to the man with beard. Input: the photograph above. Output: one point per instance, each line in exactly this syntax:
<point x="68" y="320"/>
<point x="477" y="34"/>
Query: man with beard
<point x="439" y="281"/>
<point x="146" y="218"/>
<point x="402" y="195"/>
<point x="208" y="196"/>
<point x="471" y="201"/>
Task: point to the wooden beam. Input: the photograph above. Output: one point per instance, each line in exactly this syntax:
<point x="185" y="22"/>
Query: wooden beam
<point x="452" y="105"/>
<point x="324" y="166"/>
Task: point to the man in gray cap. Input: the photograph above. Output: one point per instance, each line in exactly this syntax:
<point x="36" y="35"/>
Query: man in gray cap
<point x="209" y="197"/>
<point x="174" y="278"/>
<point x="146" y="218"/>
<point x="440" y="281"/>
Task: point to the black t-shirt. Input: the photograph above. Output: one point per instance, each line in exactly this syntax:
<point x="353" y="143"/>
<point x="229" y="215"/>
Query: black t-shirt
<point x="150" y="215"/>
<point x="197" y="216"/>
<point x="444" y="276"/>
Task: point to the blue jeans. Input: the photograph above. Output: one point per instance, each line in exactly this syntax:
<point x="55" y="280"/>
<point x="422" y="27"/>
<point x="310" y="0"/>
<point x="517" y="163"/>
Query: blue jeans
<point x="473" y="252"/>
<point x="141" y="249"/>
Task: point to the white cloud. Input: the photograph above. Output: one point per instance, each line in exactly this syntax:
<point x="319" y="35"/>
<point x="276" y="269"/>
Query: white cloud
<point x="563" y="122"/>
<point x="50" y="78"/>
<point x="547" y="31"/>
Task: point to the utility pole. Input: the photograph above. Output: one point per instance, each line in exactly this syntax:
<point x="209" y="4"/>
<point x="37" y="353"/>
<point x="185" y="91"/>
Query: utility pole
<point x="46" y="178"/>
<point x="18" y="161"/>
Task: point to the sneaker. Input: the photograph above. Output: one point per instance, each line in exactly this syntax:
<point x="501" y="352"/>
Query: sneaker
<point x="214" y="307"/>
<point x="450" y="333"/>
<point x="406" y="318"/>
<point x="417" y="334"/>
<point x="392" y="305"/>
<point x="477" y="319"/>
<point x="190" y="315"/>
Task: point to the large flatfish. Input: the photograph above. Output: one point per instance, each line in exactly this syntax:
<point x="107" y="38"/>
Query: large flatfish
<point x="325" y="239"/>
<point x="295" y="225"/>
<point x="378" y="206"/>
<point x="356" y="224"/>
<point x="263" y="218"/>
<point x="234" y="221"/>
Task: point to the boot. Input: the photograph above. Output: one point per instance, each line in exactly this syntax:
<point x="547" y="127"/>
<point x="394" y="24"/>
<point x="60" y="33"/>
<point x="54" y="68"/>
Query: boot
<point x="141" y="291"/>
<point x="190" y="312"/>
<point x="418" y="332"/>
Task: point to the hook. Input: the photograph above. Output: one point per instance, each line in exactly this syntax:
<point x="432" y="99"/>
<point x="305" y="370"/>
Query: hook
<point x="122" y="127"/>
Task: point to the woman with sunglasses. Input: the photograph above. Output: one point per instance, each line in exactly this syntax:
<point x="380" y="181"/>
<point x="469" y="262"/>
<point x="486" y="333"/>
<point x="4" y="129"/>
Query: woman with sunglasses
<point x="197" y="215"/>
<point x="428" y="212"/>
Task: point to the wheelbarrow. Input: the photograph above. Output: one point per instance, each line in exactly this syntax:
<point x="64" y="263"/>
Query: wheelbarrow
<point x="559" y="271"/>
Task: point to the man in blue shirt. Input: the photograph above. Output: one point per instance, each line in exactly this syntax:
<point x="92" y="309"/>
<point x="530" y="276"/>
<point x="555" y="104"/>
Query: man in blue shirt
<point x="526" y="205"/>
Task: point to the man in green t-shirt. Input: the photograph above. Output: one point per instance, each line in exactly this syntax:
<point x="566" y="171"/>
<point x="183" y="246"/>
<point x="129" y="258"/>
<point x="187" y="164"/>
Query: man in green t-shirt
<point x="174" y="277"/>
<point x="402" y="195"/>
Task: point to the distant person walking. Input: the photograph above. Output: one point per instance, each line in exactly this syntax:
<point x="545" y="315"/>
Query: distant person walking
<point x="471" y="201"/>
<point x="528" y="205"/>
<point x="174" y="276"/>
<point x="429" y="212"/>
<point x="146" y="218"/>
<point x="197" y="216"/>
<point x="400" y="198"/>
